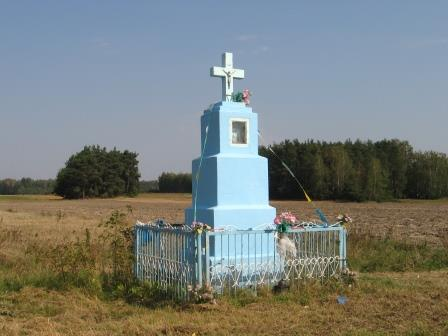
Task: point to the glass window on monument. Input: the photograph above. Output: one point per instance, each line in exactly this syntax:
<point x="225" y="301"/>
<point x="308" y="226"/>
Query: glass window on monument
<point x="239" y="132"/>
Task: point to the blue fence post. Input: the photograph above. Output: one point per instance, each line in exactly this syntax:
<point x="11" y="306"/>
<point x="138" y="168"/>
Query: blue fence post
<point x="207" y="258"/>
<point x="342" y="248"/>
<point x="136" y="248"/>
<point x="345" y="247"/>
<point x="199" y="259"/>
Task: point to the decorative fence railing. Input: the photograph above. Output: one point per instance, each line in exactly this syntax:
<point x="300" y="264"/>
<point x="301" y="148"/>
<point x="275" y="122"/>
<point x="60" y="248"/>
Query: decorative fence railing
<point x="176" y="258"/>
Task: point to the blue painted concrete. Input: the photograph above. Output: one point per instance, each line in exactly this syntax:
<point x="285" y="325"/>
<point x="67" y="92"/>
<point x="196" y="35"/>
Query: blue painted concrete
<point x="233" y="182"/>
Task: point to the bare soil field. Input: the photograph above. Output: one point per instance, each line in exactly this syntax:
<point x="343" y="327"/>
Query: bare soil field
<point x="415" y="221"/>
<point x="406" y="303"/>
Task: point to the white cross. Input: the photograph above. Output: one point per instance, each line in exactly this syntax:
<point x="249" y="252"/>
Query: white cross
<point x="228" y="73"/>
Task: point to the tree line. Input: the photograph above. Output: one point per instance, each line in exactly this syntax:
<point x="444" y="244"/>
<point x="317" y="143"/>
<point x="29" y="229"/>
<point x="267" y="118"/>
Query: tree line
<point x="148" y="186"/>
<point x="175" y="182"/>
<point x="356" y="171"/>
<point x="27" y="186"/>
<point x="353" y="171"/>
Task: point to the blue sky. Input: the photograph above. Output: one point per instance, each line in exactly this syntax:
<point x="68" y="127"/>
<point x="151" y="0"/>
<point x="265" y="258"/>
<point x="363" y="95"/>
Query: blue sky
<point x="135" y="75"/>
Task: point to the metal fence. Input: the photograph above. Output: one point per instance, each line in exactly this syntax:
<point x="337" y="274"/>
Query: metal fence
<point x="176" y="258"/>
<point x="166" y="257"/>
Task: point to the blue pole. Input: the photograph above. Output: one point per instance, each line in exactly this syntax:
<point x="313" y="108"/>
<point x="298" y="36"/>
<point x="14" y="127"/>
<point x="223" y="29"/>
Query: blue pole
<point x="207" y="258"/>
<point x="342" y="247"/>
<point x="199" y="258"/>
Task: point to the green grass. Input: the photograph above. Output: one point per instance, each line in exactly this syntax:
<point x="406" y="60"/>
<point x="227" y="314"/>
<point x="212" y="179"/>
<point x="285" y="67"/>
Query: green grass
<point x="366" y="254"/>
<point x="13" y="281"/>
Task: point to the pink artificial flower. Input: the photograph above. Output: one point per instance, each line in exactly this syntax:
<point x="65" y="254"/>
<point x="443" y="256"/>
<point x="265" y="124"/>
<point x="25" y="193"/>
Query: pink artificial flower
<point x="246" y="96"/>
<point x="285" y="217"/>
<point x="289" y="217"/>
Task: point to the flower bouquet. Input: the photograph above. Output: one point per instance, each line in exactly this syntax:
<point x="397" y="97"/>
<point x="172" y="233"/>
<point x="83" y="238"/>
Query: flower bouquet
<point x="284" y="221"/>
<point x="344" y="219"/>
<point x="199" y="227"/>
<point x="242" y="97"/>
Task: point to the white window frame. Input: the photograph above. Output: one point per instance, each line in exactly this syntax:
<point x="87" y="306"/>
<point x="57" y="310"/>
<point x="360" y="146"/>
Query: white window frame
<point x="246" y="121"/>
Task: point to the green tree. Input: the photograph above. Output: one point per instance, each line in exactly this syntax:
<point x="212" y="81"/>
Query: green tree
<point x="96" y="172"/>
<point x="428" y="175"/>
<point x="394" y="156"/>
<point x="8" y="187"/>
<point x="358" y="170"/>
<point x="340" y="170"/>
<point x="376" y="181"/>
<point x="149" y="186"/>
<point x="177" y="183"/>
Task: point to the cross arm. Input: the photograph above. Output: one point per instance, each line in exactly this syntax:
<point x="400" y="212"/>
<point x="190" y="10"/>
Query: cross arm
<point x="217" y="71"/>
<point x="238" y="74"/>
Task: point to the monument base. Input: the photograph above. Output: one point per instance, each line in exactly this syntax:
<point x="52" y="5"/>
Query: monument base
<point x="235" y="217"/>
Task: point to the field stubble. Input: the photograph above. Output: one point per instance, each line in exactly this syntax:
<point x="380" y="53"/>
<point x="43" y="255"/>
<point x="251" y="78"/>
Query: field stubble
<point x="412" y="221"/>
<point x="382" y="303"/>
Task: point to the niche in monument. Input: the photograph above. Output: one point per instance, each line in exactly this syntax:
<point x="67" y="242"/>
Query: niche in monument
<point x="239" y="128"/>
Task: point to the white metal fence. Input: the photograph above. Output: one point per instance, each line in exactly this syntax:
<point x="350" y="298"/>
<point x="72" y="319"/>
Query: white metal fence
<point x="228" y="260"/>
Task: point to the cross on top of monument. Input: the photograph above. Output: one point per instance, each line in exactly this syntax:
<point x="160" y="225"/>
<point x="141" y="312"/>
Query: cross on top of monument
<point x="228" y="73"/>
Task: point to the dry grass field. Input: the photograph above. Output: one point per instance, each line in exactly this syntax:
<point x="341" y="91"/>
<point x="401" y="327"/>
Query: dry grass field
<point x="414" y="302"/>
<point x="417" y="221"/>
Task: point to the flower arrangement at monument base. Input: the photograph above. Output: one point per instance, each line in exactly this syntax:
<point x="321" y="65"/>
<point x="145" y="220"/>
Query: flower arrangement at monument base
<point x="199" y="227"/>
<point x="201" y="294"/>
<point x="344" y="219"/>
<point x="285" y="221"/>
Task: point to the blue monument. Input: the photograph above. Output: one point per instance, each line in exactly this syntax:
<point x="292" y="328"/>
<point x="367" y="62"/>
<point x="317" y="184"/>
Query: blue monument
<point x="230" y="179"/>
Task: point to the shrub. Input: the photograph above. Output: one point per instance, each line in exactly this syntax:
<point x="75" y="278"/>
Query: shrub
<point x="117" y="240"/>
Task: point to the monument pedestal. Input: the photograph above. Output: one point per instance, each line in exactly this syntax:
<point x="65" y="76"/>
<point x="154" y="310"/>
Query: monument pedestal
<point x="233" y="217"/>
<point x="232" y="189"/>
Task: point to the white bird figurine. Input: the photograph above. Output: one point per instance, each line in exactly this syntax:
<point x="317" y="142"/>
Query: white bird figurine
<point x="285" y="246"/>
